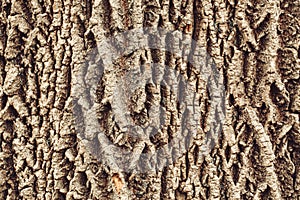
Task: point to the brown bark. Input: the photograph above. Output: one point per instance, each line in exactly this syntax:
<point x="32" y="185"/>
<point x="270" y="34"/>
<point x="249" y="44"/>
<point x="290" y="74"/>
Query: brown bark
<point x="255" y="46"/>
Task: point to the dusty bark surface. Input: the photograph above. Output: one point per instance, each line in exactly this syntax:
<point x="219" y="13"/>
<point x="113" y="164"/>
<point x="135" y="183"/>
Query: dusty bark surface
<point x="255" y="46"/>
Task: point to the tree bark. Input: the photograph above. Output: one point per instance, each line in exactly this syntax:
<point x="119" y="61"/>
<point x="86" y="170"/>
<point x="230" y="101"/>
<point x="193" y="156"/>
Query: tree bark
<point x="255" y="47"/>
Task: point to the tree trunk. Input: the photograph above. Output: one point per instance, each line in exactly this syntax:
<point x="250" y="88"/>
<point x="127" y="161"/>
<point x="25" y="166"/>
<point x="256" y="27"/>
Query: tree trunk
<point x="49" y="62"/>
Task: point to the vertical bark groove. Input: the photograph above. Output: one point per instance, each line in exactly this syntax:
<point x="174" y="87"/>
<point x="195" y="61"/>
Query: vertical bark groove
<point x="255" y="46"/>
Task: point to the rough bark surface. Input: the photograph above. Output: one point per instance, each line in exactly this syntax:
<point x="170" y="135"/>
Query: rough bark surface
<point x="255" y="45"/>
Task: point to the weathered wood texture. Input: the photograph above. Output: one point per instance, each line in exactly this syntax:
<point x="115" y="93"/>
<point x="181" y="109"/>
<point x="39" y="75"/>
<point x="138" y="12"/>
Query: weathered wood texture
<point x="255" y="44"/>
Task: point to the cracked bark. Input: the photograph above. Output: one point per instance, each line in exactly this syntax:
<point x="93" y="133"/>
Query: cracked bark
<point x="255" y="44"/>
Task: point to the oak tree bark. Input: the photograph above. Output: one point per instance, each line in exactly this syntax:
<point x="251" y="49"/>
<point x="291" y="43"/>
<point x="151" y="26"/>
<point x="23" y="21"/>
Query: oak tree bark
<point x="255" y="46"/>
